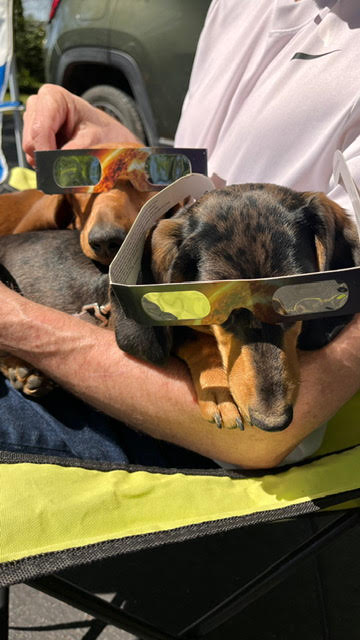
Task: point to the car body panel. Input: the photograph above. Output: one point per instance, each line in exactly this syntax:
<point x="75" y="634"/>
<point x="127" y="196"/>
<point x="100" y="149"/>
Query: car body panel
<point x="145" y="47"/>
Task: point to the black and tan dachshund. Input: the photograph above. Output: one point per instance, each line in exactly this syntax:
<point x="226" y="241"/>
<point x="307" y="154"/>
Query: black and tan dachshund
<point x="244" y="371"/>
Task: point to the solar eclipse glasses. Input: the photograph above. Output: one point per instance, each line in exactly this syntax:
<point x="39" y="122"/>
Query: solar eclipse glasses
<point x="98" y="170"/>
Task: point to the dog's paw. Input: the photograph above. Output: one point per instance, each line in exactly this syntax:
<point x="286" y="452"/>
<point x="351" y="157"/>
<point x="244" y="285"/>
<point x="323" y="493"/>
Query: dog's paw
<point x="215" y="400"/>
<point x="24" y="378"/>
<point x="216" y="403"/>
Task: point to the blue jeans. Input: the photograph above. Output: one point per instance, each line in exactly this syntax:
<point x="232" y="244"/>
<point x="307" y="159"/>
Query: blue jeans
<point x="61" y="425"/>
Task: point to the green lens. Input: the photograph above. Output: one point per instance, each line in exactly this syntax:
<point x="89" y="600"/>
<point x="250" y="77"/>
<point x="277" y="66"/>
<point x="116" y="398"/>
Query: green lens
<point x="311" y="297"/>
<point x="163" y="168"/>
<point x="77" y="171"/>
<point x="175" y="305"/>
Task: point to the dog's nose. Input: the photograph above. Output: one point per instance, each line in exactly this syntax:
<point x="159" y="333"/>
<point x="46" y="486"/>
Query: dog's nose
<point x="271" y="422"/>
<point x="105" y="242"/>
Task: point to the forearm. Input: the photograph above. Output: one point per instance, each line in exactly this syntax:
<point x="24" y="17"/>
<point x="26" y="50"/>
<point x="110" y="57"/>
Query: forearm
<point x="86" y="360"/>
<point x="160" y="400"/>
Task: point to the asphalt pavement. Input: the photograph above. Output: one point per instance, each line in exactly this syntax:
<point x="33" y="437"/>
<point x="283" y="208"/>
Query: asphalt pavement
<point x="36" y="616"/>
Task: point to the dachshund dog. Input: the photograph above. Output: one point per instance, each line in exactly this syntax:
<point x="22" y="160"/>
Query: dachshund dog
<point x="102" y="219"/>
<point x="244" y="371"/>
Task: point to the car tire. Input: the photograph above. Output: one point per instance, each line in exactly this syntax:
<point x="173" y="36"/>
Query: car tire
<point x="117" y="104"/>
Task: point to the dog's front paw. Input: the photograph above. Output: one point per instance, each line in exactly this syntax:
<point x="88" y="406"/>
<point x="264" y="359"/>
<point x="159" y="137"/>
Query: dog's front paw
<point x="215" y="400"/>
<point x="201" y="354"/>
<point x="24" y="378"/>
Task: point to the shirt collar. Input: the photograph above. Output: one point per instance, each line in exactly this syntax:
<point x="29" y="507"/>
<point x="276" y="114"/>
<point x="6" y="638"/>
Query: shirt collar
<point x="290" y="15"/>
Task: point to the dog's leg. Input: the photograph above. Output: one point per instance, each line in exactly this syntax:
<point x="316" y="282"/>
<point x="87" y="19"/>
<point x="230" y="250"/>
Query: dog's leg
<point x="203" y="359"/>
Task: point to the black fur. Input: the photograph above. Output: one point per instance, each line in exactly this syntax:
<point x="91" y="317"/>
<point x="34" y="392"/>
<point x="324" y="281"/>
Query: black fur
<point x="50" y="268"/>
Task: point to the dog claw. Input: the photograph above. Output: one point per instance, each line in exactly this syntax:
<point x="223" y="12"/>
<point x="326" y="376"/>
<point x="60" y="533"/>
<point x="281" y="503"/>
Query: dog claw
<point x="218" y="420"/>
<point x="22" y="372"/>
<point x="239" y="424"/>
<point x="37" y="386"/>
<point x="34" y="382"/>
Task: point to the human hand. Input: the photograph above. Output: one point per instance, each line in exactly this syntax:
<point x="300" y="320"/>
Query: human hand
<point x="57" y="119"/>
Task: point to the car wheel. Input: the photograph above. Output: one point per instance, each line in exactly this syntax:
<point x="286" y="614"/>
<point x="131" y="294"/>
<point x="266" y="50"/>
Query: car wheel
<point x="117" y="104"/>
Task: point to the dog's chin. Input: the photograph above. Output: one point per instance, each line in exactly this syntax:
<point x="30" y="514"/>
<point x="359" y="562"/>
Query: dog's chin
<point x="272" y="423"/>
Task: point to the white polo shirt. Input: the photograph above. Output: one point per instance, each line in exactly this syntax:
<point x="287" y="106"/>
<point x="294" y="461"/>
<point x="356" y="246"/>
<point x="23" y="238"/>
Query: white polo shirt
<point x="275" y="91"/>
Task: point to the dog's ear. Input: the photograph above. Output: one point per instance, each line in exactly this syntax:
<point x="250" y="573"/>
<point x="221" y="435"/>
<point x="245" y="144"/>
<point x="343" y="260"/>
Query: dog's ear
<point x="337" y="247"/>
<point x="80" y="205"/>
<point x="146" y="343"/>
<point x="174" y="254"/>
<point x="166" y="239"/>
<point x="31" y="209"/>
<point x="160" y="253"/>
<point x="47" y="212"/>
<point x="336" y="238"/>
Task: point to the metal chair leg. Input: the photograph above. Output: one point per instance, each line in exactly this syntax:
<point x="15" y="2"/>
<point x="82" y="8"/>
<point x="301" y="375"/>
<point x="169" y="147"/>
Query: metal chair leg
<point x="4" y="613"/>
<point x="17" y="115"/>
<point x="270" y="577"/>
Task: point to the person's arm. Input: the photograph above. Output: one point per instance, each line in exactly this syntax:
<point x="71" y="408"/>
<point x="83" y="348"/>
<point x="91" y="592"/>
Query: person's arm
<point x="160" y="400"/>
<point x="57" y="119"/>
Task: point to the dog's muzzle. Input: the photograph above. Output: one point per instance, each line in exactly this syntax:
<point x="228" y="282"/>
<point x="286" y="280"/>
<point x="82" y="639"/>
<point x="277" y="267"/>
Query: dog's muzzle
<point x="272" y="423"/>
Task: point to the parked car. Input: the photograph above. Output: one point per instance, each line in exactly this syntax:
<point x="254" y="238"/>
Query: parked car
<point x="131" y="58"/>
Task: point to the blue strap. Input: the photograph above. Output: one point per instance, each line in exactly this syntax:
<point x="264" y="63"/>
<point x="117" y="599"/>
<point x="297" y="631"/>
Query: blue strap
<point x="11" y="104"/>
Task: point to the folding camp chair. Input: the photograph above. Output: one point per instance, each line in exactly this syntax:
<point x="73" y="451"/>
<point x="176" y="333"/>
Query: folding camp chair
<point x="8" y="81"/>
<point x="56" y="514"/>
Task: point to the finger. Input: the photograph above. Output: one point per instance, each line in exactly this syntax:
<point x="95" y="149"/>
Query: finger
<point x="85" y="138"/>
<point x="46" y="113"/>
<point x="35" y="110"/>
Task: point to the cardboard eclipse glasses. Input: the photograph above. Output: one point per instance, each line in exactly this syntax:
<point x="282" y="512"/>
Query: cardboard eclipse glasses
<point x="98" y="170"/>
<point x="272" y="300"/>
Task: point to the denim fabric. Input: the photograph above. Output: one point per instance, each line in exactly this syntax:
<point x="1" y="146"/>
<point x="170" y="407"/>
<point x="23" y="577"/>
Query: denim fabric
<point x="61" y="425"/>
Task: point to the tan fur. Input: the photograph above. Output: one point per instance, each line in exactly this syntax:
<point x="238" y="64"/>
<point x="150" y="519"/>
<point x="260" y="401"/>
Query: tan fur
<point x="210" y="380"/>
<point x="164" y="253"/>
<point x="238" y="366"/>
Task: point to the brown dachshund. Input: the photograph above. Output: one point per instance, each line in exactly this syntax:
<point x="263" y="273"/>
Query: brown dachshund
<point x="244" y="371"/>
<point x="102" y="219"/>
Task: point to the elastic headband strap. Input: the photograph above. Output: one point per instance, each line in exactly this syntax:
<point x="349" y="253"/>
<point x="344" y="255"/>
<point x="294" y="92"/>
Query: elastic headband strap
<point x="342" y="175"/>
